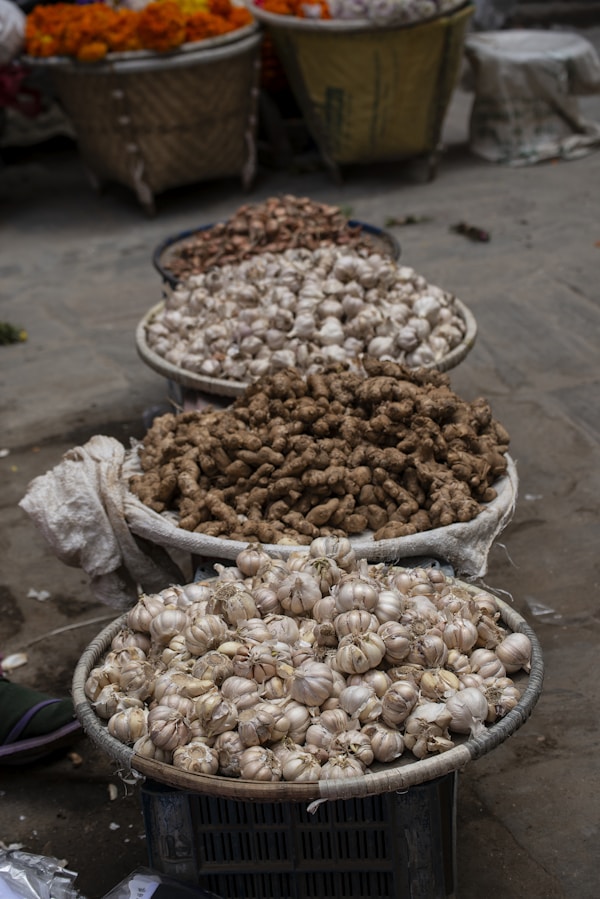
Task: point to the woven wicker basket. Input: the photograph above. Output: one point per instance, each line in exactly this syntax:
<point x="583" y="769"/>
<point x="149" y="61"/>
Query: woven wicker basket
<point x="371" y="93"/>
<point x="396" y="776"/>
<point x="153" y="122"/>
<point x="230" y="388"/>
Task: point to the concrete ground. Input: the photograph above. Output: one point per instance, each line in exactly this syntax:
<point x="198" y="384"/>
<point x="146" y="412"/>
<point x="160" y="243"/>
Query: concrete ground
<point x="76" y="273"/>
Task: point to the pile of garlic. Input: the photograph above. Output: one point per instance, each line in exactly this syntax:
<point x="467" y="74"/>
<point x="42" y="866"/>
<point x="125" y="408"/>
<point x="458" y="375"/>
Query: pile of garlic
<point x="303" y="308"/>
<point x="315" y="667"/>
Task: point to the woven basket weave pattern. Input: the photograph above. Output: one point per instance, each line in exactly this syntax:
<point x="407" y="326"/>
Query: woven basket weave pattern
<point x="166" y="127"/>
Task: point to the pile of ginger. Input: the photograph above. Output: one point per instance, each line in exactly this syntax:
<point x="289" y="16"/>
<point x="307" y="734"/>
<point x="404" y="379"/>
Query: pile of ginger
<point x="391" y="451"/>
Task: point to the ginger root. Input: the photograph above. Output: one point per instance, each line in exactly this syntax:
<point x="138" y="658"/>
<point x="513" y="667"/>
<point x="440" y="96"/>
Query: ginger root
<point x="393" y="451"/>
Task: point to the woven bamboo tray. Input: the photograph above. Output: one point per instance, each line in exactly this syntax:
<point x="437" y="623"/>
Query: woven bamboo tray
<point x="396" y="776"/>
<point x="167" y="249"/>
<point x="155" y="121"/>
<point x="231" y="388"/>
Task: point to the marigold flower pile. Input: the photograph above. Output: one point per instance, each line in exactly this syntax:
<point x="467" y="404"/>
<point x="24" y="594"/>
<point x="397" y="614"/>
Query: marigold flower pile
<point x="89" y="32"/>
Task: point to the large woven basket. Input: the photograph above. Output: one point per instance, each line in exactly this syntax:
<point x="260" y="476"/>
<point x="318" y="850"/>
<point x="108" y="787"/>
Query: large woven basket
<point x="231" y="388"/>
<point x="396" y="776"/>
<point x="370" y="93"/>
<point x="156" y="121"/>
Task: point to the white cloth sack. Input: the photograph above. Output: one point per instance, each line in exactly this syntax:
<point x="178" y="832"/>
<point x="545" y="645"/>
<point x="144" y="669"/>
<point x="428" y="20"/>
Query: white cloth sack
<point x="91" y="520"/>
<point x="526" y="83"/>
<point x="12" y="31"/>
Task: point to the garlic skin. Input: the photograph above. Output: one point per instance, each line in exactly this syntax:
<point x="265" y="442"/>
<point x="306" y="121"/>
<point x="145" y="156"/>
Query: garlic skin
<point x="357" y="653"/>
<point x="398" y="702"/>
<point x="469" y="710"/>
<point x="262" y="724"/>
<point x="167" y="727"/>
<point x="426" y="729"/>
<point x="301" y="766"/>
<point x="311" y="683"/>
<point x="387" y="743"/>
<point x="148" y="750"/>
<point x="514" y="652"/>
<point x="111" y="700"/>
<point x="340" y="766"/>
<point x="196" y="757"/>
<point x="129" y="724"/>
<point x="259" y="763"/>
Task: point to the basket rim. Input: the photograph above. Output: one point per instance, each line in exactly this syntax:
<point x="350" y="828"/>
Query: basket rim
<point x="211" y="48"/>
<point x="346" y="26"/>
<point x="170" y="243"/>
<point x="231" y="388"/>
<point x="395" y="776"/>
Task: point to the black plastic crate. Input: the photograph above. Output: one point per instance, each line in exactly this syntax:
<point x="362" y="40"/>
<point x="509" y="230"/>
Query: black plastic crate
<point x="389" y="846"/>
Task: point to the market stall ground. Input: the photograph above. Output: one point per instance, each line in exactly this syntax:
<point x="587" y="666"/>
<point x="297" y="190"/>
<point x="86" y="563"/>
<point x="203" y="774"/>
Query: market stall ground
<point x="76" y="273"/>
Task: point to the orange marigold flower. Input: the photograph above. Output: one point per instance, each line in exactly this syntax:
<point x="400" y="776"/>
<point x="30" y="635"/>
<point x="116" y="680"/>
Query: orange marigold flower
<point x="123" y="35"/>
<point x="240" y="16"/>
<point x="92" y="52"/>
<point x="221" y="8"/>
<point x="162" y="26"/>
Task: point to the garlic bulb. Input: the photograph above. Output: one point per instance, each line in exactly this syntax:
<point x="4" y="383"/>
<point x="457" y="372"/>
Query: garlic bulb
<point x="426" y="729"/>
<point x="339" y="549"/>
<point x="216" y="713"/>
<point x="355" y="592"/>
<point x="259" y="763"/>
<point x="390" y="605"/>
<point x="469" y="709"/>
<point x="311" y="683"/>
<point x="361" y="702"/>
<point x="460" y="634"/>
<point x="167" y="624"/>
<point x="148" y="750"/>
<point x="142" y="613"/>
<point x="438" y="684"/>
<point x="301" y="765"/>
<point x="111" y="700"/>
<point x="358" y="653"/>
<point x="514" y="651"/>
<point x="376" y="679"/>
<point x="262" y="661"/>
<point x="299" y="719"/>
<point x="355" y="744"/>
<point x="167" y="727"/>
<point x="262" y="724"/>
<point x="137" y="679"/>
<point x="298" y="593"/>
<point x="214" y="666"/>
<point x="397" y="640"/>
<point x="340" y="766"/>
<point x="233" y="602"/>
<point x="229" y="748"/>
<point x="486" y="663"/>
<point x="128" y="637"/>
<point x="387" y="743"/>
<point x="398" y="701"/>
<point x="196" y="757"/>
<point x="502" y="695"/>
<point x="357" y="621"/>
<point x="129" y="724"/>
<point x="204" y="632"/>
